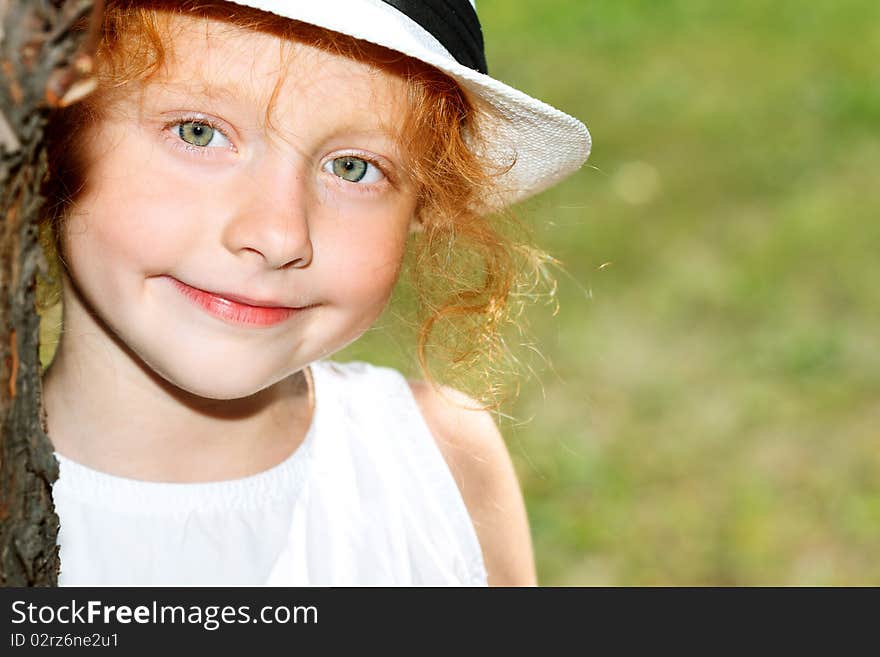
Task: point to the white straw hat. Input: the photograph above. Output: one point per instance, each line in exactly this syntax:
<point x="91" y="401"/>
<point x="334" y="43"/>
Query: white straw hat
<point x="545" y="144"/>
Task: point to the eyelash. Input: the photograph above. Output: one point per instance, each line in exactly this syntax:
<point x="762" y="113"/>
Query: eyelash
<point x="361" y="188"/>
<point x="205" y="151"/>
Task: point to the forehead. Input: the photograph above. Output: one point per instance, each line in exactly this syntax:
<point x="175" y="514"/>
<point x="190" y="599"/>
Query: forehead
<point x="209" y="58"/>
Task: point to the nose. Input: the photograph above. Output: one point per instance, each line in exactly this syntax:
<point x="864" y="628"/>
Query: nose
<point x="270" y="217"/>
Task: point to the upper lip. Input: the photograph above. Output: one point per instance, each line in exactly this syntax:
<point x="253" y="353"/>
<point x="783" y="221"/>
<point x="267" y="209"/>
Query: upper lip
<point x="239" y="298"/>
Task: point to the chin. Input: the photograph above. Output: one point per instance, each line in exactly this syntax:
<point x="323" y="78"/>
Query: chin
<point x="215" y="392"/>
<point x="225" y="383"/>
<point x="209" y="388"/>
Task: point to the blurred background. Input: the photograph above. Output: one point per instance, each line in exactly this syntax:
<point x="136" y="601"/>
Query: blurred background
<point x="706" y="410"/>
<point x="709" y="408"/>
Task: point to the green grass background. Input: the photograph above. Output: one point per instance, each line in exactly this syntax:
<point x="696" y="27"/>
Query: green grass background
<point x="708" y="413"/>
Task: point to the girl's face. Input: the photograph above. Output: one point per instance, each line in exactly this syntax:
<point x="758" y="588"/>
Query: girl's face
<point x="190" y="185"/>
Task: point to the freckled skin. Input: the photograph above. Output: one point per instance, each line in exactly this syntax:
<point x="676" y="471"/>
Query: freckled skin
<point x="265" y="220"/>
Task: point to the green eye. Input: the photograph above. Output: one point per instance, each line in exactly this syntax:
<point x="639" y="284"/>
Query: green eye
<point x="195" y="133"/>
<point x="351" y="169"/>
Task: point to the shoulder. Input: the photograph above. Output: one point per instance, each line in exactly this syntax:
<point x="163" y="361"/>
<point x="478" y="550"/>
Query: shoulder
<point x="479" y="461"/>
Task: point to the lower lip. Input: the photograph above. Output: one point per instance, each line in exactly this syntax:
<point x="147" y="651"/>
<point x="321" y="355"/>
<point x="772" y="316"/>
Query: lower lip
<point x="234" y="312"/>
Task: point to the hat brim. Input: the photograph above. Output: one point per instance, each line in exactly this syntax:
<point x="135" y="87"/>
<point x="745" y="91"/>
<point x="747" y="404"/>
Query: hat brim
<point x="543" y="143"/>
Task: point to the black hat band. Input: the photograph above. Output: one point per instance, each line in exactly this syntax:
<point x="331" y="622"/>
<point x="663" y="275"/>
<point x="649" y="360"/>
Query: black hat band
<point x="453" y="23"/>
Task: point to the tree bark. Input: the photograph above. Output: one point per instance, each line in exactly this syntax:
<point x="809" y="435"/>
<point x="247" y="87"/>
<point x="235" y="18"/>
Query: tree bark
<point x="43" y="65"/>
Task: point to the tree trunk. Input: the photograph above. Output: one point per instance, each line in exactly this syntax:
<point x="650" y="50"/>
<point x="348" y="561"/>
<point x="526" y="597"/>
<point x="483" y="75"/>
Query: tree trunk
<point x="43" y="65"/>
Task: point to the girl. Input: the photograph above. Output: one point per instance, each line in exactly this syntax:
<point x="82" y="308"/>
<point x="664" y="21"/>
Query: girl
<point x="231" y="206"/>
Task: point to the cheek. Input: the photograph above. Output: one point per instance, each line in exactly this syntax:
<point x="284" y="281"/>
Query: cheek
<point x="367" y="258"/>
<point x="124" y="218"/>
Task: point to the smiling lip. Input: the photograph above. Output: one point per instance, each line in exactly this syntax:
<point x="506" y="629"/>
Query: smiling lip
<point x="237" y="309"/>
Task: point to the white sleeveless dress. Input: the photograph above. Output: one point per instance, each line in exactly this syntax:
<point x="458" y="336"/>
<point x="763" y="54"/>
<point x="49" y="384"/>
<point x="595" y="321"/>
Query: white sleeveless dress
<point x="367" y="499"/>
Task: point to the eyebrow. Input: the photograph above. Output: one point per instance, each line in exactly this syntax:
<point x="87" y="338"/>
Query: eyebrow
<point x="202" y="88"/>
<point x="213" y="91"/>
